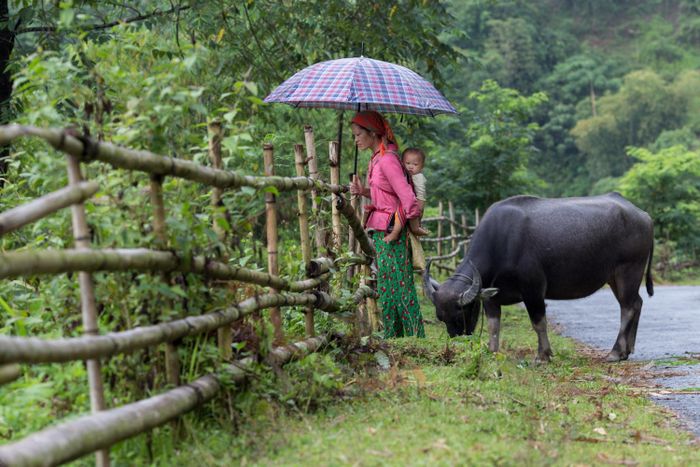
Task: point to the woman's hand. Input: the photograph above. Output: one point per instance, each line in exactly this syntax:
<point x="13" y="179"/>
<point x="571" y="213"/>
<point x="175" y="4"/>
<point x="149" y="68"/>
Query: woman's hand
<point x="356" y="186"/>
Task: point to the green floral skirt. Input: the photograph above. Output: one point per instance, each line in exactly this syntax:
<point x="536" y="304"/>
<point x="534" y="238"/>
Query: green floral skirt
<point x="397" y="293"/>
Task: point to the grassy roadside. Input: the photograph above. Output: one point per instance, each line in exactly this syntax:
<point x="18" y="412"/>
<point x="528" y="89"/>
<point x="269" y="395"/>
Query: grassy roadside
<point x="443" y="402"/>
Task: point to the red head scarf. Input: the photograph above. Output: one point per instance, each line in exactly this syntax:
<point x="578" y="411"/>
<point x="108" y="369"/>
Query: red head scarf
<point x="374" y="122"/>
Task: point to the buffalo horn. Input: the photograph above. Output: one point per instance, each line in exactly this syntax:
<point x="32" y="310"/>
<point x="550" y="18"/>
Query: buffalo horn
<point x="430" y="285"/>
<point x="470" y="294"/>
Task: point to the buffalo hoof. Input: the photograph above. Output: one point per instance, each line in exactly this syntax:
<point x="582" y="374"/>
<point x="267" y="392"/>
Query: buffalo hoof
<point x="615" y="356"/>
<point x="543" y="359"/>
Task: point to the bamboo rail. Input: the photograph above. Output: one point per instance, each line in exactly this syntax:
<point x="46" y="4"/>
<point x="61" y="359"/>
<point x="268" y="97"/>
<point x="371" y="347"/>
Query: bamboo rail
<point x="9" y="373"/>
<point x="28" y="263"/>
<point x="18" y="217"/>
<point x="73" y="439"/>
<point x="35" y="350"/>
<point x="87" y="150"/>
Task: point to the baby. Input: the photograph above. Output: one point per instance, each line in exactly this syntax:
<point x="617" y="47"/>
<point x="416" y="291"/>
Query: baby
<point x="413" y="160"/>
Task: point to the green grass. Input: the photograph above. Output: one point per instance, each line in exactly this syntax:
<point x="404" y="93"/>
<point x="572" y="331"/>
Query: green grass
<point x="448" y="402"/>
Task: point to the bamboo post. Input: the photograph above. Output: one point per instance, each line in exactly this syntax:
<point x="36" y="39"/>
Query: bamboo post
<point x="313" y="174"/>
<point x="224" y="335"/>
<point x="439" y="229"/>
<point x="304" y="232"/>
<point x="371" y="303"/>
<point x="466" y="233"/>
<point x="271" y="227"/>
<point x="453" y="230"/>
<point x="172" y="361"/>
<point x="476" y="217"/>
<point x="81" y="234"/>
<point x="334" y="161"/>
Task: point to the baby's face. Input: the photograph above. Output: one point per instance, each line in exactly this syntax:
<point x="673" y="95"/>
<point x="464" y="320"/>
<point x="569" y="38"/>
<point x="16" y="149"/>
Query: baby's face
<point x="413" y="163"/>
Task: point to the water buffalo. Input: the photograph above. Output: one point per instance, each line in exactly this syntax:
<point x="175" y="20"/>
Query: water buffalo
<point x="528" y="249"/>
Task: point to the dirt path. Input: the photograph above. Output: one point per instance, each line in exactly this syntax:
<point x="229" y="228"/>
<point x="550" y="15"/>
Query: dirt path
<point x="668" y="336"/>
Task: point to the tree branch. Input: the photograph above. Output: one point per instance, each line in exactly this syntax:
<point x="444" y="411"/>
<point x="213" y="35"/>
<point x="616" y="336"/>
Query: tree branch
<point x="96" y="27"/>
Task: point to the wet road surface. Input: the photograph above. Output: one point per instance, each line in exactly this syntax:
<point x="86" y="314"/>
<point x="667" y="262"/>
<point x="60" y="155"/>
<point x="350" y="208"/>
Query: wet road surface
<point x="668" y="334"/>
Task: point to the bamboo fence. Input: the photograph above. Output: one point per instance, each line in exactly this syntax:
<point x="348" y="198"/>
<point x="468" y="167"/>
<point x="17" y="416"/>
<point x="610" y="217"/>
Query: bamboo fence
<point x="96" y="432"/>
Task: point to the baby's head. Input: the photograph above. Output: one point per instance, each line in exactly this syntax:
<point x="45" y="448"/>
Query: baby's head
<point x="413" y="159"/>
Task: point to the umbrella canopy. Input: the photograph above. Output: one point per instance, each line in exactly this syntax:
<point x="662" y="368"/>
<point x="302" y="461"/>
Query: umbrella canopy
<point x="362" y="83"/>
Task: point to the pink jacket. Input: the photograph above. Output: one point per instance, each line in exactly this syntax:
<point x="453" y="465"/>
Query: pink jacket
<point x="389" y="190"/>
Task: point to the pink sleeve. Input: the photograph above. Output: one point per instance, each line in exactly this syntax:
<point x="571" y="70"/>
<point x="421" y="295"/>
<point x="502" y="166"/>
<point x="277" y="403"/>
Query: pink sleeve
<point x="395" y="175"/>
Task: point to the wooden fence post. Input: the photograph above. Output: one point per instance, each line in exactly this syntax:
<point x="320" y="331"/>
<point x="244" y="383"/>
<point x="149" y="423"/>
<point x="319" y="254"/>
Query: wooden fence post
<point x="81" y="234"/>
<point x="271" y="225"/>
<point x="172" y="361"/>
<point x="453" y="231"/>
<point x="334" y="160"/>
<point x="313" y="173"/>
<point x="224" y="337"/>
<point x="304" y="232"/>
<point x="466" y="233"/>
<point x="439" y="229"/>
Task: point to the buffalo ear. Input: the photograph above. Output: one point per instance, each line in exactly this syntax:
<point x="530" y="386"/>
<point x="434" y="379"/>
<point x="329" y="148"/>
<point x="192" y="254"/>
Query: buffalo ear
<point x="488" y="293"/>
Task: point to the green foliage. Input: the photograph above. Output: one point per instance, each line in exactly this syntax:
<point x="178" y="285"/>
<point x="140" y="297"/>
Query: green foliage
<point x="487" y="158"/>
<point x="667" y="185"/>
<point x="635" y="116"/>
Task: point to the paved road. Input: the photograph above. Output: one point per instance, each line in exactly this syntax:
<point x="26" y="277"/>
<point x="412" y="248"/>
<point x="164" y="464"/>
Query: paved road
<point x="669" y="327"/>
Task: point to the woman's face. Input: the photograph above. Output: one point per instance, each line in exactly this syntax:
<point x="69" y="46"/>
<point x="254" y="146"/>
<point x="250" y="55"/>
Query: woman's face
<point x="364" y="139"/>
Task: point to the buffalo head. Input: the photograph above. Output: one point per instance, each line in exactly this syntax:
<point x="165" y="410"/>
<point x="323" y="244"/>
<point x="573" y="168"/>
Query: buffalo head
<point x="457" y="299"/>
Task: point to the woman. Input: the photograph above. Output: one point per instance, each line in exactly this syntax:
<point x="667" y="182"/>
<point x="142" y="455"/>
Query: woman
<point x="390" y="193"/>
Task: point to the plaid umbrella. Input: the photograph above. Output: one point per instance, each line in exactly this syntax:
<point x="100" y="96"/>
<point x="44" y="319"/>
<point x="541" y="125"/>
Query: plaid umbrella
<point x="362" y="83"/>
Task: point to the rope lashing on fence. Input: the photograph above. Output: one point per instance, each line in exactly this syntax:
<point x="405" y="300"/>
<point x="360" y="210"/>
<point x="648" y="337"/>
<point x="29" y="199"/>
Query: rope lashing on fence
<point x="71" y="440"/>
<point x="146" y="161"/>
<point x="26" y="263"/>
<point x="20" y="216"/>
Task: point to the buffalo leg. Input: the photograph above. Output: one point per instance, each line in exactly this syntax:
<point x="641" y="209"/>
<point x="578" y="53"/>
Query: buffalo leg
<point x="626" y="290"/>
<point x="493" y="315"/>
<point x="536" y="310"/>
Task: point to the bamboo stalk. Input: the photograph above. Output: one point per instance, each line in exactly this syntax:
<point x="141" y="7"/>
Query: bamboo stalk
<point x="443" y="239"/>
<point x="453" y="230"/>
<point x="20" y="216"/>
<point x="439" y="229"/>
<point x="87" y="301"/>
<point x="172" y="360"/>
<point x="449" y="255"/>
<point x="271" y="227"/>
<point x="299" y="162"/>
<point x="353" y="260"/>
<point x="318" y="266"/>
<point x="33" y="262"/>
<point x="15" y="349"/>
<point x="87" y="150"/>
<point x="313" y="174"/>
<point x="371" y="303"/>
<point x="9" y="373"/>
<point x="355" y="224"/>
<point x="334" y="161"/>
<point x="224" y="336"/>
<point x="75" y="438"/>
<point x="465" y="233"/>
<point x="447" y="219"/>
